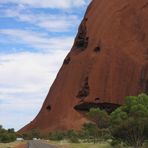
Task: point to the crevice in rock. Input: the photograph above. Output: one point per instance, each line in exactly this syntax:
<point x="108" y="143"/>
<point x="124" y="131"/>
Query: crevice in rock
<point x="67" y="60"/>
<point x="144" y="79"/>
<point x="48" y="107"/>
<point x="145" y="5"/>
<point x="122" y="8"/>
<point x="109" y="107"/>
<point x="84" y="92"/>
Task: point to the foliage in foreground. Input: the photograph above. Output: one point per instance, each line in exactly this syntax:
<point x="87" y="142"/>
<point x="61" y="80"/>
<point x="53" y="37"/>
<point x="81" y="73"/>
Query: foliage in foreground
<point x="7" y="136"/>
<point x="128" y="124"/>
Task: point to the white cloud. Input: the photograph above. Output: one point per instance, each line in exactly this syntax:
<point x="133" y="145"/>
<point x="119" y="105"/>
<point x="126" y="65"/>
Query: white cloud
<point x="38" y="40"/>
<point x="62" y="4"/>
<point x="50" y="22"/>
<point x="24" y="83"/>
<point x="25" y="77"/>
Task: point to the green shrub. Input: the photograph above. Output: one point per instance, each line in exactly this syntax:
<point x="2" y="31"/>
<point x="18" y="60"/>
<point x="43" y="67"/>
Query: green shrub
<point x="115" y="142"/>
<point x="7" y="136"/>
<point x="34" y="133"/>
<point x="73" y="136"/>
<point x="57" y="136"/>
<point x="129" y="122"/>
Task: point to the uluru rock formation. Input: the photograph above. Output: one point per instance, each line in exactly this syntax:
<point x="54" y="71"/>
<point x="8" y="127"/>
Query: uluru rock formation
<point x="108" y="61"/>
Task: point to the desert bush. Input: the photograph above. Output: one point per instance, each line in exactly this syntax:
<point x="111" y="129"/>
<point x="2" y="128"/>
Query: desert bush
<point x="57" y="136"/>
<point x="72" y="136"/>
<point x="7" y="136"/>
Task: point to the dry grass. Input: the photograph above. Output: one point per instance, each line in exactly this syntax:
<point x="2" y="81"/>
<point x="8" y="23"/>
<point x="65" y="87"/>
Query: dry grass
<point x="66" y="144"/>
<point x="16" y="144"/>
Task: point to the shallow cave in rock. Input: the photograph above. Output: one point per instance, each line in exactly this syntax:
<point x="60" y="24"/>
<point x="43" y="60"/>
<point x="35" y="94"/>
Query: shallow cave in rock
<point x="48" y="107"/>
<point x="109" y="107"/>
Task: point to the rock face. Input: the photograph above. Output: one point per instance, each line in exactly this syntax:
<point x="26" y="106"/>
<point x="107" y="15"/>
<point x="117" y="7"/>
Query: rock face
<point x="108" y="61"/>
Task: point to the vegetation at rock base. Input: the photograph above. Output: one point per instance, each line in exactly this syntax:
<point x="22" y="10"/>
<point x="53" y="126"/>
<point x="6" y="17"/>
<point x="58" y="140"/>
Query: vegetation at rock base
<point x="57" y="136"/>
<point x="34" y="133"/>
<point x="7" y="136"/>
<point x="128" y="124"/>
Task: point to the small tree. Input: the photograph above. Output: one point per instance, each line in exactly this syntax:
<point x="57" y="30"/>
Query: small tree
<point x="11" y="130"/>
<point x="57" y="136"/>
<point x="100" y="117"/>
<point x="102" y="121"/>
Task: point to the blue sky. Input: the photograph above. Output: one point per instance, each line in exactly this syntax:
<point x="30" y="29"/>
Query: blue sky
<point x="35" y="36"/>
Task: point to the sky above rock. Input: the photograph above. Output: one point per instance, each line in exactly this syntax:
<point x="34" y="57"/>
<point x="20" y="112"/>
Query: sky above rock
<point x="35" y="37"/>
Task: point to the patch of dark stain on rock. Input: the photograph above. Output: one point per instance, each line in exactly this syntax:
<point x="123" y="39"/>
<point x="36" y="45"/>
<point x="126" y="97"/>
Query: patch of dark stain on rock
<point x="97" y="99"/>
<point x="67" y="60"/>
<point x="97" y="49"/>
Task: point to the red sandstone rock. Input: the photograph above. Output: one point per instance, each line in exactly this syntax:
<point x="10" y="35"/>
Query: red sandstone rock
<point x="108" y="61"/>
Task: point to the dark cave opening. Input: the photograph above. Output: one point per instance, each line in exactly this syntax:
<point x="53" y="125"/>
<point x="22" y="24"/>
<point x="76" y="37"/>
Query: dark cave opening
<point x="82" y="39"/>
<point x="82" y="42"/>
<point x="48" y="107"/>
<point x="109" y="107"/>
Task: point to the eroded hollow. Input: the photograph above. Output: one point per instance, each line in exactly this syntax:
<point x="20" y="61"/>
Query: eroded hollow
<point x="82" y="39"/>
<point x="48" y="107"/>
<point x="82" y="43"/>
<point x="84" y="92"/>
<point x="109" y="107"/>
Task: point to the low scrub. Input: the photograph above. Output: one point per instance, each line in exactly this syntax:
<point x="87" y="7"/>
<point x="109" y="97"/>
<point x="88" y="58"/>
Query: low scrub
<point x="7" y="136"/>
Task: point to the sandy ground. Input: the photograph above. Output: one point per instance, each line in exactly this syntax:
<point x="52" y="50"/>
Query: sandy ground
<point x="24" y="145"/>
